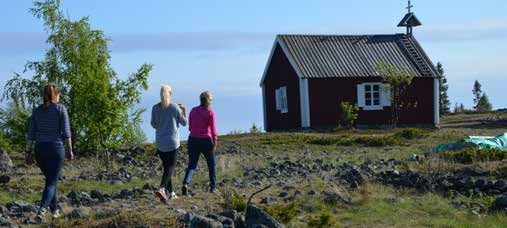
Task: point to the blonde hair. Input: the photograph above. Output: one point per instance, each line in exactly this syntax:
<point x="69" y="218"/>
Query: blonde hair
<point x="165" y="95"/>
<point x="205" y="98"/>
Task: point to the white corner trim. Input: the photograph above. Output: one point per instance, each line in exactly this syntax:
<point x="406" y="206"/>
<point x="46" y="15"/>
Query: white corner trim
<point x="305" y="102"/>
<point x="436" y="101"/>
<point x="264" y="108"/>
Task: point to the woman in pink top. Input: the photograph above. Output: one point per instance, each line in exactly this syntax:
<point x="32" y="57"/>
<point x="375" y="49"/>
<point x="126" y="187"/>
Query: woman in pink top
<point x="202" y="139"/>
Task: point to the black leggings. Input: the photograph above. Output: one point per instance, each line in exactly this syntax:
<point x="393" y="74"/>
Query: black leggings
<point x="169" y="163"/>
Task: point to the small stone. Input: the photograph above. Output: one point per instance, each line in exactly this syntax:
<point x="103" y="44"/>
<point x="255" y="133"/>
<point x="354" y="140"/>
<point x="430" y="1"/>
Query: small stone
<point x="283" y="194"/>
<point x="194" y="208"/>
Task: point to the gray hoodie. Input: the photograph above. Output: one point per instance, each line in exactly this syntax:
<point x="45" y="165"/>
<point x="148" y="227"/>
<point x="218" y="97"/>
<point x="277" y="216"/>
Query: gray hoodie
<point x="166" y="122"/>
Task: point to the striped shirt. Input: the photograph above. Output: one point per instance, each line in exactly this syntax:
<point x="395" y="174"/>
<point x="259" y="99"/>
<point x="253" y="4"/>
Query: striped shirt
<point x="51" y="125"/>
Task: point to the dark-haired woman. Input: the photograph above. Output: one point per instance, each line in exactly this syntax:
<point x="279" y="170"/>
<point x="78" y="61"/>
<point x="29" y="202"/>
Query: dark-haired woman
<point x="202" y="139"/>
<point x="49" y="129"/>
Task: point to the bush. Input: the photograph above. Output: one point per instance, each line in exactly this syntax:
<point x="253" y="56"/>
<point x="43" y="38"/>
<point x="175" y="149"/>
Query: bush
<point x="469" y="155"/>
<point x="237" y="202"/>
<point x="348" y="114"/>
<point x="325" y="219"/>
<point x="283" y="213"/>
<point x="377" y="141"/>
<point x="411" y="133"/>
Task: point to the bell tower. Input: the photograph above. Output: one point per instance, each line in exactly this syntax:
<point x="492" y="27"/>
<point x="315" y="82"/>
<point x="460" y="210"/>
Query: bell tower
<point x="409" y="20"/>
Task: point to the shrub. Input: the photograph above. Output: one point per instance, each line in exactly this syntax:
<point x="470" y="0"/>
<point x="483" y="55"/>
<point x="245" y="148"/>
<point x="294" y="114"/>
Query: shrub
<point x="377" y="141"/>
<point x="237" y="202"/>
<point x="348" y="114"/>
<point x="325" y="219"/>
<point x="469" y="155"/>
<point x="283" y="213"/>
<point x="411" y="133"/>
<point x="254" y="129"/>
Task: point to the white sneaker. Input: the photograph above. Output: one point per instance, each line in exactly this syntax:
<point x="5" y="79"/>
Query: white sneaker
<point x="56" y="214"/>
<point x="173" y="195"/>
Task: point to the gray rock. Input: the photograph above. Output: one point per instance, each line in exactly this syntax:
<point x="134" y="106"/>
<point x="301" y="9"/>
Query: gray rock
<point x="5" y="161"/>
<point x="4" y="179"/>
<point x="80" y="199"/>
<point x="6" y="222"/>
<point x="256" y="216"/>
<point x="226" y="221"/>
<point x="501" y="185"/>
<point x="105" y="213"/>
<point x="501" y="201"/>
<point x="283" y="194"/>
<point x="199" y="221"/>
<point x="80" y="213"/>
<point x="21" y="206"/>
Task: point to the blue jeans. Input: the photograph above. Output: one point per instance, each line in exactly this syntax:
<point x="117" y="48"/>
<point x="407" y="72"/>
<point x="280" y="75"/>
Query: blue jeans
<point x="196" y="146"/>
<point x="49" y="157"/>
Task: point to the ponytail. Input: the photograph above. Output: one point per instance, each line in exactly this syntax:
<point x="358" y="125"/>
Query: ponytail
<point x="50" y="94"/>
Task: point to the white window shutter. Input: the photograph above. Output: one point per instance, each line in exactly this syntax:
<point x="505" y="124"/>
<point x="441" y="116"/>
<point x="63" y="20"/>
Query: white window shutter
<point x="385" y="95"/>
<point x="284" y="99"/>
<point x="360" y="95"/>
<point x="277" y="99"/>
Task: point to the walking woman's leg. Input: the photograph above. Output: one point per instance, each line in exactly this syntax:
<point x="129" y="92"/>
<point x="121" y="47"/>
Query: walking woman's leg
<point x="211" y="160"/>
<point x="164" y="156"/>
<point x="173" y="156"/>
<point x="41" y="154"/>
<point x="58" y="165"/>
<point x="193" y="159"/>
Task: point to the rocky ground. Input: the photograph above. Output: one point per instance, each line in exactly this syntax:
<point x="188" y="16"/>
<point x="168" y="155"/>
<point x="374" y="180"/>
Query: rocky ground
<point x="310" y="184"/>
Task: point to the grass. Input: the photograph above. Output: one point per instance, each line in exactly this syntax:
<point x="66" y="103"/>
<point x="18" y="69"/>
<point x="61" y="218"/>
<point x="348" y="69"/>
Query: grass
<point x="373" y="205"/>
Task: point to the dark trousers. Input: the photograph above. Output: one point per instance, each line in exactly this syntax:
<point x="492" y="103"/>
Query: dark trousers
<point x="50" y="157"/>
<point x="169" y="163"/>
<point x="196" y="146"/>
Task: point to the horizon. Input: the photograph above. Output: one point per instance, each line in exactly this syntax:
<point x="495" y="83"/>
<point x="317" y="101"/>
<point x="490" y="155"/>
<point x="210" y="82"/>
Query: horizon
<point x="223" y="47"/>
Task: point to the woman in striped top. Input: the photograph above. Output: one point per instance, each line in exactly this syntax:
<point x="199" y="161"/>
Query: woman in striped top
<point x="49" y="129"/>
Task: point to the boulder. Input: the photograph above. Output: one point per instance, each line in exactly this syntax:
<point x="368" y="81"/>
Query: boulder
<point x="501" y="202"/>
<point x="4" y="179"/>
<point x="80" y="199"/>
<point x="199" y="221"/>
<point x="5" y="161"/>
<point x="256" y="217"/>
<point x="21" y="206"/>
<point x="226" y="221"/>
<point x="80" y="213"/>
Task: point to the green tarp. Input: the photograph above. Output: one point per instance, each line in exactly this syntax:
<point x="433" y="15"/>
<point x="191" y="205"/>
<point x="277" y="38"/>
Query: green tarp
<point x="483" y="142"/>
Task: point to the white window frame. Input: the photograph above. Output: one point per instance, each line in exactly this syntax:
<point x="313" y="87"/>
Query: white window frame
<point x="372" y="106"/>
<point x="281" y="99"/>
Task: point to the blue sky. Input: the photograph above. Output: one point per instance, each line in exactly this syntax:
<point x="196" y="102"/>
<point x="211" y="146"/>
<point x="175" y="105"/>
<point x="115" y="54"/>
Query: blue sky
<point x="223" y="46"/>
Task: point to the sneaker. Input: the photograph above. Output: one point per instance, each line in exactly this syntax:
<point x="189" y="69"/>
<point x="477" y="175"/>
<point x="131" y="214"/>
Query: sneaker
<point x="161" y="195"/>
<point x="40" y="217"/>
<point x="213" y="190"/>
<point x="184" y="190"/>
<point x="56" y="214"/>
<point x="173" y="195"/>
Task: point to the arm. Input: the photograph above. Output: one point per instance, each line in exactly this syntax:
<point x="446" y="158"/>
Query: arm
<point x="30" y="138"/>
<point x="182" y="115"/>
<point x="190" y="121"/>
<point x="213" y="127"/>
<point x="154" y="117"/>
<point x="65" y="123"/>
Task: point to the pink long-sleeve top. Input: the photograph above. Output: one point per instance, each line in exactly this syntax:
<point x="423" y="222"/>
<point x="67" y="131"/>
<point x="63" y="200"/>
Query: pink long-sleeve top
<point x="202" y="123"/>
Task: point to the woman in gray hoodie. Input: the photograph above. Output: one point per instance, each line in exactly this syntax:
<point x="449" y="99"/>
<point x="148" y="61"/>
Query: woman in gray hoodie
<point x="166" y="118"/>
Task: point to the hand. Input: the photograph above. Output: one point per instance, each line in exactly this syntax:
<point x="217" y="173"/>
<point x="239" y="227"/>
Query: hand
<point x="70" y="155"/>
<point x="214" y="146"/>
<point x="182" y="107"/>
<point x="28" y="159"/>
